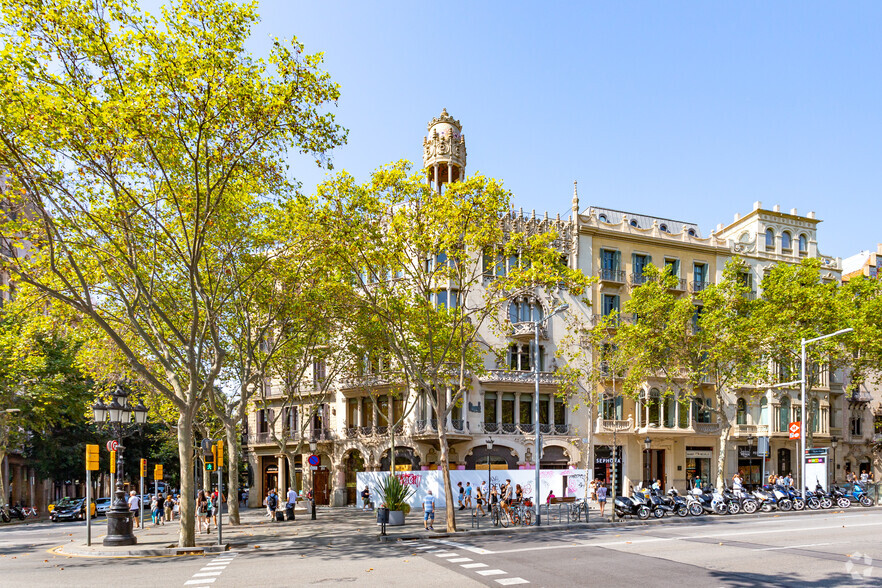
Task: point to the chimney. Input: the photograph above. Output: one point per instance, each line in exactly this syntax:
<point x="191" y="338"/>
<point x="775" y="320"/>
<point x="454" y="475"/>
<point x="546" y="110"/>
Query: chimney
<point x="793" y="212"/>
<point x="777" y="208"/>
<point x="737" y="216"/>
<point x="719" y="227"/>
<point x="811" y="214"/>
<point x="757" y="205"/>
<point x="878" y="248"/>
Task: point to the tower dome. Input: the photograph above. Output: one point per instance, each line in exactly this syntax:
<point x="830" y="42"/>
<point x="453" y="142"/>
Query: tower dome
<point x="444" y="151"/>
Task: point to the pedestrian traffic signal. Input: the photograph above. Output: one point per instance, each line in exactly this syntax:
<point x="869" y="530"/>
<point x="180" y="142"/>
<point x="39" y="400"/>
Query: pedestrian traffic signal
<point x="157" y="471"/>
<point x="219" y="456"/>
<point x="92" y="458"/>
<point x="113" y="462"/>
<point x="208" y="458"/>
<point x="143" y="468"/>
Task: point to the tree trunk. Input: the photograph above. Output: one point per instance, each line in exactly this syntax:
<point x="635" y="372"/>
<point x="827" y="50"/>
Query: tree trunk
<point x="232" y="489"/>
<point x="2" y="476"/>
<point x="188" y="483"/>
<point x="292" y="473"/>
<point x="445" y="473"/>
<point x="721" y="460"/>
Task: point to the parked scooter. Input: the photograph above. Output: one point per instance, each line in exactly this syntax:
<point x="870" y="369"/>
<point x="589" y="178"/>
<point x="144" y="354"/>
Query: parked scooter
<point x="656" y="503"/>
<point x="710" y="500"/>
<point x="678" y="504"/>
<point x="838" y="496"/>
<point x="857" y="494"/>
<point x="739" y="501"/>
<point x="633" y="506"/>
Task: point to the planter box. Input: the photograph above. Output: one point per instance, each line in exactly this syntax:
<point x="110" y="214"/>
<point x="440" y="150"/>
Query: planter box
<point x="396" y="518"/>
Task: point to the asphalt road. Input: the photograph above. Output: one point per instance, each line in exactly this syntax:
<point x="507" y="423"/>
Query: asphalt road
<point x="816" y="549"/>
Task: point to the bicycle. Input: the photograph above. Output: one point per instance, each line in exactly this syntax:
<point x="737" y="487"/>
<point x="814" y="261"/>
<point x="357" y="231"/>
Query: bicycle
<point x="577" y="510"/>
<point x="499" y="516"/>
<point x="31" y="512"/>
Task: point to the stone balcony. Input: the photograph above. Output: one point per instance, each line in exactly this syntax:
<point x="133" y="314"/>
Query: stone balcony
<point x="755" y="430"/>
<point x="614" y="426"/>
<point x="518" y="377"/>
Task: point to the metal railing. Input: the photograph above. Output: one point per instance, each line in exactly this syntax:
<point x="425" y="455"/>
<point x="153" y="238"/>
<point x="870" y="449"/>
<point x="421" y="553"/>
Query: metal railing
<point x="611" y="275"/>
<point x="699" y="286"/>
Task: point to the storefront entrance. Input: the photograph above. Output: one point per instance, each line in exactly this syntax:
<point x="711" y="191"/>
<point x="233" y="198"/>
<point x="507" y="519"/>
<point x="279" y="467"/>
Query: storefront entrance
<point x="354" y="464"/>
<point x="320" y="486"/>
<point x="749" y="466"/>
<point x="603" y="466"/>
<point x="698" y="465"/>
<point x="270" y="479"/>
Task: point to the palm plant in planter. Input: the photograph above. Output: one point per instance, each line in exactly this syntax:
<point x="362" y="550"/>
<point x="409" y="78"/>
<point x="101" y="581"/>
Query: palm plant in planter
<point x="394" y="496"/>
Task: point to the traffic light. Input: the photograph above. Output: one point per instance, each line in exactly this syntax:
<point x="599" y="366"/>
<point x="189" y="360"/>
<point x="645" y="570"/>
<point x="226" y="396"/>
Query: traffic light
<point x="143" y="468"/>
<point x="219" y="456"/>
<point x="92" y="458"/>
<point x="113" y="462"/>
<point x="208" y="458"/>
<point x="157" y="471"/>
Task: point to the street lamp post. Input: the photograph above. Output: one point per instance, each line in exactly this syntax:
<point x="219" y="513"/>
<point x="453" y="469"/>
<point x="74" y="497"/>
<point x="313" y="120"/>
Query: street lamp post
<point x="805" y="400"/>
<point x="750" y="454"/>
<point x="833" y="443"/>
<point x="489" y="443"/>
<point x="118" y="415"/>
<point x="647" y="443"/>
<point x="537" y="442"/>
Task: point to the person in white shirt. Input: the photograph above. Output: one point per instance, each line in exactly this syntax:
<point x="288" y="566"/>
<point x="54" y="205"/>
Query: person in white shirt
<point x="292" y="497"/>
<point x="134" y="506"/>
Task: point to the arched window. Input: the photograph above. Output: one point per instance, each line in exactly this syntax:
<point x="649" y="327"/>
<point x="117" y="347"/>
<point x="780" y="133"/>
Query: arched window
<point x="524" y="311"/>
<point x="612" y="407"/>
<point x="784" y="414"/>
<point x="786" y="241"/>
<point x="770" y="240"/>
<point x="803" y="245"/>
<point x="654" y="412"/>
<point x="764" y="411"/>
<point x="670" y="411"/>
<point x="633" y="223"/>
<point x="603" y="218"/>
<point x="663" y="228"/>
<point x="691" y="232"/>
<point x="741" y="414"/>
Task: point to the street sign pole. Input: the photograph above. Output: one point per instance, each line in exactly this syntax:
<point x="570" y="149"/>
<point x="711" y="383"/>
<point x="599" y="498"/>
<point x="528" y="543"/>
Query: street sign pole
<point x="141" y="502"/>
<point x="220" y="505"/>
<point x="88" y="507"/>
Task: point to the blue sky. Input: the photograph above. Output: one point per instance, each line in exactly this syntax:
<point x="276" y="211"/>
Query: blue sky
<point x="690" y="111"/>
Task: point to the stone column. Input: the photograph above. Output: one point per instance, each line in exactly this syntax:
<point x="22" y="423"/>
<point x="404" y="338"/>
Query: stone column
<point x="449" y="173"/>
<point x="437" y="181"/>
<point x="257" y="491"/>
<point x="283" y="479"/>
<point x="517" y="408"/>
<point x="499" y="407"/>
<point x="551" y="410"/>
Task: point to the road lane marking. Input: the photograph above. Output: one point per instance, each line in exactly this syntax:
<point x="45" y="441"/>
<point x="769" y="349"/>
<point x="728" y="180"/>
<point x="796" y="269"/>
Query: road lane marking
<point x="794" y="546"/>
<point x="459" y="559"/>
<point x="446" y="554"/>
<point x="511" y="581"/>
<point x="636" y="541"/>
<point x="200" y="574"/>
<point x="474" y="565"/>
<point x="200" y="581"/>
<point x="490" y="572"/>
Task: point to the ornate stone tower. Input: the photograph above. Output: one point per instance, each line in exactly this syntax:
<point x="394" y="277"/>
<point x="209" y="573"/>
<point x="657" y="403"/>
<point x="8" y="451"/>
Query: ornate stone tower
<point x="444" y="151"/>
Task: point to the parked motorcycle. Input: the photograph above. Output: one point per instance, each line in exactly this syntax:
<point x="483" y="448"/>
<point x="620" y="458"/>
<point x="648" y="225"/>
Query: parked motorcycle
<point x="678" y="504"/>
<point x="838" y="496"/>
<point x="739" y="501"/>
<point x="633" y="506"/>
<point x="657" y="504"/>
<point x="857" y="494"/>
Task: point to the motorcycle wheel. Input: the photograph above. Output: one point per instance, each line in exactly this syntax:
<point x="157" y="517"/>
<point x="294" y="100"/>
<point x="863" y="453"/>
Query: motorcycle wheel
<point x="620" y="513"/>
<point x="843" y="502"/>
<point x="643" y="513"/>
<point x="682" y="510"/>
<point x="766" y="507"/>
<point x="785" y="504"/>
<point x="734" y="508"/>
<point x="799" y="504"/>
<point x="750" y="506"/>
<point x="658" y="513"/>
<point x="720" y="508"/>
<point x="826" y="503"/>
<point x="21" y="516"/>
<point x="4" y="515"/>
<point x="813" y="503"/>
<point x="865" y="501"/>
<point x="695" y="509"/>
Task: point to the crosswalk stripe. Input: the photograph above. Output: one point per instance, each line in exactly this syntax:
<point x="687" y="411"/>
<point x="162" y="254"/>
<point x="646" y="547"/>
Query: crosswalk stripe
<point x="474" y="565"/>
<point x="511" y="581"/>
<point x="490" y="572"/>
<point x="459" y="559"/>
<point x="200" y="581"/>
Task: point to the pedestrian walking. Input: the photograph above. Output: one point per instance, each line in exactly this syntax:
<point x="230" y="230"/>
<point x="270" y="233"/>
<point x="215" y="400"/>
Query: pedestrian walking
<point x="292" y="498"/>
<point x="134" y="506"/>
<point x="366" y="499"/>
<point x="201" y="511"/>
<point x="429" y="511"/>
<point x="158" y="505"/>
<point x="601" y="497"/>
<point x="468" y="495"/>
<point x="461" y="499"/>
<point x="272" y="503"/>
<point x="169" y="508"/>
<point x="480" y="498"/>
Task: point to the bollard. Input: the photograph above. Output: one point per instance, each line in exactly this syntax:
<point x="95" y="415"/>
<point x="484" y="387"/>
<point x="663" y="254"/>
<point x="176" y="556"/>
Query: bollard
<point x="313" y="508"/>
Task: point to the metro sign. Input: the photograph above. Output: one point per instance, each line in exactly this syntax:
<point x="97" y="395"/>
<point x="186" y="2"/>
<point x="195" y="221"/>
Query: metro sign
<point x="795" y="430"/>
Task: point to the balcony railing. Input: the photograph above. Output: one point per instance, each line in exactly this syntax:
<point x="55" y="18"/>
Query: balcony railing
<point x="518" y="377"/>
<point x="458" y="425"/>
<point x="611" y="275"/>
<point x="523" y="429"/>
<point x="679" y="285"/>
<point x="756" y="430"/>
<point x="706" y="428"/>
<point x="614" y="425"/>
<point x="527" y="330"/>
<point x="638" y="279"/>
<point x="699" y="286"/>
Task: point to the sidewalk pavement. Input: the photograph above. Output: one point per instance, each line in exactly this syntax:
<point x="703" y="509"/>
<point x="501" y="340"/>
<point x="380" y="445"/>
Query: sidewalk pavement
<point x="332" y="525"/>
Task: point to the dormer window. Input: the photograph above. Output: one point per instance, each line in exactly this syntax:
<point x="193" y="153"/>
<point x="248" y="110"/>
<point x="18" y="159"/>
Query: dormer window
<point x="633" y="223"/>
<point x="603" y="218"/>
<point x="691" y="232"/>
<point x="663" y="228"/>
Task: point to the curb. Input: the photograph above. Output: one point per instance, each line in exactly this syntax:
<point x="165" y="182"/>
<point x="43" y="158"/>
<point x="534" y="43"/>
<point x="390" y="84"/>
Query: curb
<point x="610" y="524"/>
<point x="149" y="552"/>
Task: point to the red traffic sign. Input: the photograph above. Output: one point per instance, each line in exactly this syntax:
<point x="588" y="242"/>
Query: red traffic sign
<point x="794" y="429"/>
<point x="314" y="460"/>
<point x="112" y="445"/>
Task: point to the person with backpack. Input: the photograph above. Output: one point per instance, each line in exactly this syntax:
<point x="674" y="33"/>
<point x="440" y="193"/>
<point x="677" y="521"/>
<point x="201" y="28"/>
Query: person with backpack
<point x="272" y="503"/>
<point x="201" y="510"/>
<point x="156" y="509"/>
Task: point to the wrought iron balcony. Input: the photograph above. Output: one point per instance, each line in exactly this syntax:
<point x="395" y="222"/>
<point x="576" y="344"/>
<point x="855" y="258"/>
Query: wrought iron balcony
<point x="699" y="286"/>
<point x="612" y="275"/>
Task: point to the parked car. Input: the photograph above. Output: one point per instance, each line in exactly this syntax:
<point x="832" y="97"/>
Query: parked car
<point x="64" y="501"/>
<point x="102" y="505"/>
<point x="72" y="511"/>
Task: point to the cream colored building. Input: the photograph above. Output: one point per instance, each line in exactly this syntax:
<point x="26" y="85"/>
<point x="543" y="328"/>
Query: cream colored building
<point x="351" y="434"/>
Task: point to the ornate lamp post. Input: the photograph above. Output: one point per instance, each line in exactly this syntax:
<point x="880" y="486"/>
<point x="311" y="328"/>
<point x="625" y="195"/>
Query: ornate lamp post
<point x="118" y="416"/>
<point x="750" y="458"/>
<point x="834" y="441"/>
<point x="489" y="443"/>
